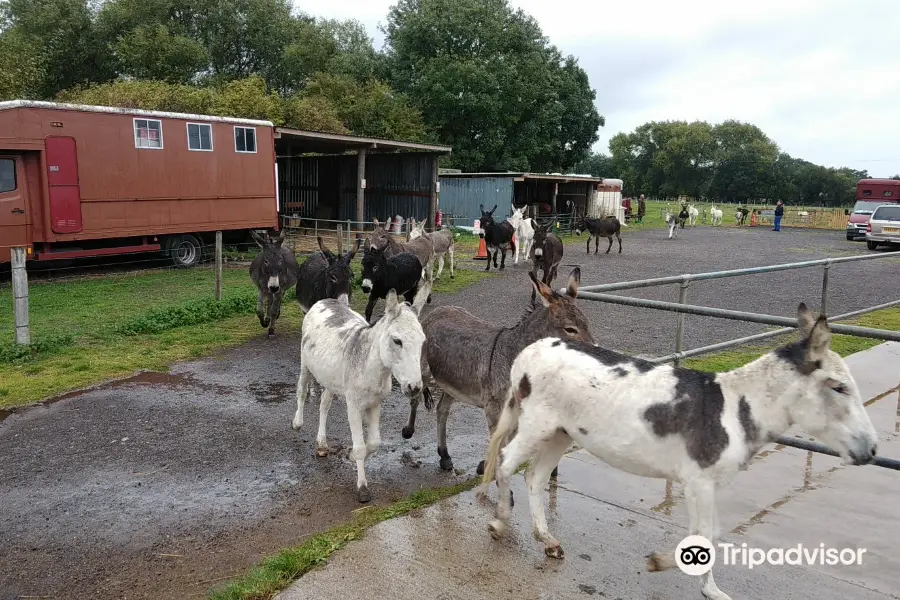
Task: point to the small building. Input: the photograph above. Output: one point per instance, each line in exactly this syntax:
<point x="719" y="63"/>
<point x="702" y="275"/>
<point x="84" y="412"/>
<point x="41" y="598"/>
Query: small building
<point x="332" y="177"/>
<point x="462" y="194"/>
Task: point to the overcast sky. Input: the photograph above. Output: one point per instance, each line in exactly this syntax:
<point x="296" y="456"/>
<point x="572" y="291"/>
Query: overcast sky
<point x="820" y="77"/>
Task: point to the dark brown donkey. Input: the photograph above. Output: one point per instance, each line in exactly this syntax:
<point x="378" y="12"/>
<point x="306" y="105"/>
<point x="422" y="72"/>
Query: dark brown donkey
<point x="546" y="252"/>
<point x="470" y="359"/>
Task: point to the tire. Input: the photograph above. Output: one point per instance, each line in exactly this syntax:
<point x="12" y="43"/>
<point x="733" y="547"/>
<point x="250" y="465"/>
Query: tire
<point x="185" y="251"/>
<point x="871" y="245"/>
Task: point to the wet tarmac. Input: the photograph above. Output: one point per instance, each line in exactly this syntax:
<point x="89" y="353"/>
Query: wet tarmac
<point x="164" y="485"/>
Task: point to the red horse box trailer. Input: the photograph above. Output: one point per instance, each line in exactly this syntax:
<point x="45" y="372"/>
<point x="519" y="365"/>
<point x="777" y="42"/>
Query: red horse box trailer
<point x="79" y="181"/>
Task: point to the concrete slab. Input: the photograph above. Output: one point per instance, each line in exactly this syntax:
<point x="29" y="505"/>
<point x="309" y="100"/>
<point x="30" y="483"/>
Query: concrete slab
<point x="608" y="521"/>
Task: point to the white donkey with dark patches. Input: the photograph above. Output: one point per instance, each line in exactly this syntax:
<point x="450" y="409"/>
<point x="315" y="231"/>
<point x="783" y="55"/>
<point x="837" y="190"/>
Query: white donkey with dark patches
<point x="347" y="356"/>
<point x="672" y="423"/>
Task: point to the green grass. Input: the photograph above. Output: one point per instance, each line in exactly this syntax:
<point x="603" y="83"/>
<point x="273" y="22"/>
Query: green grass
<point x="277" y="572"/>
<point x="89" y="330"/>
<point x="844" y="345"/>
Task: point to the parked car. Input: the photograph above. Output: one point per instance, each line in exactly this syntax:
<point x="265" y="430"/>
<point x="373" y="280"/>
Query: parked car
<point x="870" y="194"/>
<point x="884" y="226"/>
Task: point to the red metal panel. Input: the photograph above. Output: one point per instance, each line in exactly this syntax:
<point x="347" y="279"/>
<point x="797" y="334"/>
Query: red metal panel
<point x="62" y="177"/>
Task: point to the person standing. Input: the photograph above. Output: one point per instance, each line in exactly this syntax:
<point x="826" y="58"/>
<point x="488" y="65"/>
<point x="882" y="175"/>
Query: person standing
<point x="779" y="212"/>
<point x="642" y="209"/>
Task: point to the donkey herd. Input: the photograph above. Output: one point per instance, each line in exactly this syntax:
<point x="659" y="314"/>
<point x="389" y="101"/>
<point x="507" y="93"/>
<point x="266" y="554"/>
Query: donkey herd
<point x="545" y="382"/>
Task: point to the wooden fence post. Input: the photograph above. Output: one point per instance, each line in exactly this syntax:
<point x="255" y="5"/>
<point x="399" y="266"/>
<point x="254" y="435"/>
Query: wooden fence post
<point x="20" y="296"/>
<point x="218" y="265"/>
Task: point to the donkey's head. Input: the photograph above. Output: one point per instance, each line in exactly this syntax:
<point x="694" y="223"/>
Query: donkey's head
<point x="487" y="216"/>
<point x="580" y="226"/>
<point x="417" y="231"/>
<point x="564" y="318"/>
<point x="537" y="244"/>
<point x="373" y="263"/>
<point x="401" y="339"/>
<point x="827" y="402"/>
<point x="379" y="239"/>
<point x="516" y="219"/>
<point x="338" y="275"/>
<point x="272" y="265"/>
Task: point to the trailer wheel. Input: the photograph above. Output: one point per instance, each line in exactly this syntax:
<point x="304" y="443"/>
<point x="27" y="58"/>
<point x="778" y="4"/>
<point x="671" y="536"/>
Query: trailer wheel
<point x="871" y="245"/>
<point x="185" y="251"/>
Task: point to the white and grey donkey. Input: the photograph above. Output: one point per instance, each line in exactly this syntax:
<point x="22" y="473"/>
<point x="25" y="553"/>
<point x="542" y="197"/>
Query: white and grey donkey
<point x="672" y="423"/>
<point x="349" y="357"/>
<point x="525" y="228"/>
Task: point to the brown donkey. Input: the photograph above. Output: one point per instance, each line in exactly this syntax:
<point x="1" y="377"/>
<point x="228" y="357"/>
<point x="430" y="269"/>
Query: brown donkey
<point x="470" y="359"/>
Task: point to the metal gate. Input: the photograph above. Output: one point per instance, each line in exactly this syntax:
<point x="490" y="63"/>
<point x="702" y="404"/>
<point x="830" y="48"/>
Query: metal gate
<point x="599" y="293"/>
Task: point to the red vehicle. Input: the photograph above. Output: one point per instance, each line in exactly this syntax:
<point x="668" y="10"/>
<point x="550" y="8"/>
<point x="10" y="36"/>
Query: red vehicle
<point x="82" y="181"/>
<point x="870" y="194"/>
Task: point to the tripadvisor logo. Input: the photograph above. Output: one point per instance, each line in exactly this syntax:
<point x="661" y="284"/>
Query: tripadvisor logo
<point x="695" y="555"/>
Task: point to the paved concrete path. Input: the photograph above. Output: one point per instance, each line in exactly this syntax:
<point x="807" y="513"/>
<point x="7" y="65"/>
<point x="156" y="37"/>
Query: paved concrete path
<point x="608" y="521"/>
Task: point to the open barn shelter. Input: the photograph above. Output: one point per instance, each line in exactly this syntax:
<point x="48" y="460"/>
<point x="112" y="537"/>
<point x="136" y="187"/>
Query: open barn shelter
<point x="462" y="193"/>
<point x="331" y="177"/>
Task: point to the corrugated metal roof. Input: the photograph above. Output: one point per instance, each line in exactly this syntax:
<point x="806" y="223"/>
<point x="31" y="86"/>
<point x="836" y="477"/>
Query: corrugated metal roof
<point x="522" y="176"/>
<point x="339" y="142"/>
<point x="113" y="110"/>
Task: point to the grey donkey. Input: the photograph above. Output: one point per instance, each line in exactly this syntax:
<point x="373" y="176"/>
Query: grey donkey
<point x="470" y="359"/>
<point x="273" y="271"/>
<point x="441" y="241"/>
<point x="546" y="253"/>
<point x="380" y="240"/>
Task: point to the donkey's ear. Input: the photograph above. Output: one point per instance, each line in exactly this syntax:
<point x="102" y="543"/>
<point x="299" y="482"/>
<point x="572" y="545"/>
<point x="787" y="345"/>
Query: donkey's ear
<point x="375" y="222"/>
<point x="574" y="281"/>
<point x="805" y="319"/>
<point x="280" y="239"/>
<point x="258" y="239"/>
<point x="392" y="304"/>
<point x="352" y="253"/>
<point x="543" y="291"/>
<point x="819" y="339"/>
<point x="493" y="209"/>
<point x="481" y="206"/>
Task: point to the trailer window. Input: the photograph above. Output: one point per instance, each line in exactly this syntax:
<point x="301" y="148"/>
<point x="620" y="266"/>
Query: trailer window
<point x="148" y="133"/>
<point x="245" y="139"/>
<point x="199" y="137"/>
<point x="7" y="175"/>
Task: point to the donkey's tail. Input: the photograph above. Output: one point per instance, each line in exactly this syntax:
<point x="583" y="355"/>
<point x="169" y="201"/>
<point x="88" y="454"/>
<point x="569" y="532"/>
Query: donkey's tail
<point x="509" y="420"/>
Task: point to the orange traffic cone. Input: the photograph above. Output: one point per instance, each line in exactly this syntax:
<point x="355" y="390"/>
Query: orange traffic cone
<point x="482" y="250"/>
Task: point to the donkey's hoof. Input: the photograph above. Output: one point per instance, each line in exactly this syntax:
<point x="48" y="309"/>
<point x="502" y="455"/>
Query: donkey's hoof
<point x="480" y="469"/>
<point x="554" y="474"/>
<point x="407" y="432"/>
<point x="497" y="529"/>
<point x="322" y="451"/>
<point x="363" y="495"/>
<point x="554" y="551"/>
<point x="657" y="562"/>
<point x="446" y="464"/>
<point x="271" y="333"/>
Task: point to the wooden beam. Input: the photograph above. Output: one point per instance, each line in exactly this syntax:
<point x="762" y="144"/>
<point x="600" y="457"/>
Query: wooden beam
<point x="433" y="202"/>
<point x="361" y="187"/>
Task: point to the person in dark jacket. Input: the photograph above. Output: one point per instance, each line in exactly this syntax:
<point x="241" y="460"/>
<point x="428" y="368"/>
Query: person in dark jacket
<point x="779" y="212"/>
<point x="642" y="209"/>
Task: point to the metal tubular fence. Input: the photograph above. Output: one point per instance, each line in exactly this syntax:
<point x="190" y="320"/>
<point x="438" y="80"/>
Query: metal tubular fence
<point x="681" y="308"/>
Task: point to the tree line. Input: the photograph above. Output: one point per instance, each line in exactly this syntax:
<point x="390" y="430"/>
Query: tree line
<point x="725" y="162"/>
<point x="477" y="75"/>
<point x="474" y="74"/>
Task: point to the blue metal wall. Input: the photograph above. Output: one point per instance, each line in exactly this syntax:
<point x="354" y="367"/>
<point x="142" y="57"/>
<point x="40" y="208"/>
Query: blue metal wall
<point x="461" y="196"/>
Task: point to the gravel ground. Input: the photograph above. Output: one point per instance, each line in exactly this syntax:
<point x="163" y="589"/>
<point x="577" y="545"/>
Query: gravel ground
<point x="164" y="485"/>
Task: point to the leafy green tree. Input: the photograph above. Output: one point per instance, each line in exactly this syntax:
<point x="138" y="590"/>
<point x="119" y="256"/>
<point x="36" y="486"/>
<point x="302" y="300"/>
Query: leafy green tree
<point x="371" y="108"/>
<point x="597" y="165"/>
<point x="60" y="36"/>
<point x="152" y="52"/>
<point x="489" y="84"/>
<point x="21" y="66"/>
